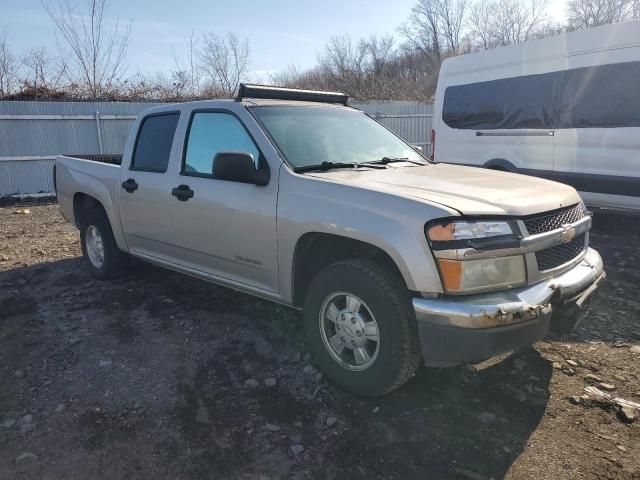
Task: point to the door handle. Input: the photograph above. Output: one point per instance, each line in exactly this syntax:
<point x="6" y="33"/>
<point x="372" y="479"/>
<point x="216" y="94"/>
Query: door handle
<point x="130" y="185"/>
<point x="182" y="192"/>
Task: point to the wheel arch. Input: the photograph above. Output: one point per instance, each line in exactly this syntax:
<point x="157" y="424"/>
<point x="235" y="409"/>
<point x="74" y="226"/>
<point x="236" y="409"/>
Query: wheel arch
<point x="83" y="202"/>
<point x="500" y="164"/>
<point x="316" y="250"/>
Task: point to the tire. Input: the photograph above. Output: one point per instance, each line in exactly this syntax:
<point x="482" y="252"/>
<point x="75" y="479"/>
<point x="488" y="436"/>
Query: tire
<point x="393" y="358"/>
<point x="113" y="259"/>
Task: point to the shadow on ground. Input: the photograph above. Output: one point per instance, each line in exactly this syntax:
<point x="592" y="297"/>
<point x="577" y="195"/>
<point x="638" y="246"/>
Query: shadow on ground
<point x="164" y="358"/>
<point x="145" y="377"/>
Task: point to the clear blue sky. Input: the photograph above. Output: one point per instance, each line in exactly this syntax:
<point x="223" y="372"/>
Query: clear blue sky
<point x="280" y="32"/>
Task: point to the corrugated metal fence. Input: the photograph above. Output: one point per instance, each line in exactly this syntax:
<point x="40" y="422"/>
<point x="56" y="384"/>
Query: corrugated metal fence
<point x="33" y="133"/>
<point x="410" y="120"/>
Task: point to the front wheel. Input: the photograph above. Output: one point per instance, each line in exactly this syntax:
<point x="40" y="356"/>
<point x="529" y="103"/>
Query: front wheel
<point x="361" y="328"/>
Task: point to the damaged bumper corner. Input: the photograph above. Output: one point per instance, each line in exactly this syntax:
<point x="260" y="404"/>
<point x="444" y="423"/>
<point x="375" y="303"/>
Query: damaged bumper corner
<point x="472" y="328"/>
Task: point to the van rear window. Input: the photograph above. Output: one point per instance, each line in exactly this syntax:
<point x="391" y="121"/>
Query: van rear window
<point x="599" y="96"/>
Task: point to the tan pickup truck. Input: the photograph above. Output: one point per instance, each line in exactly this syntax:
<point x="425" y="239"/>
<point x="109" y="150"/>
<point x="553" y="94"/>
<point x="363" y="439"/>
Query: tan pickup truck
<point x="295" y="197"/>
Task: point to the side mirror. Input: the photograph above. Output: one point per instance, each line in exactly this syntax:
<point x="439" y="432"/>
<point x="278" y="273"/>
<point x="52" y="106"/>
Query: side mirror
<point x="239" y="167"/>
<point x="418" y="148"/>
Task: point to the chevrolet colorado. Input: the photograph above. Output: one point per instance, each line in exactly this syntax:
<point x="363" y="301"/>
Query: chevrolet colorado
<point x="295" y="197"/>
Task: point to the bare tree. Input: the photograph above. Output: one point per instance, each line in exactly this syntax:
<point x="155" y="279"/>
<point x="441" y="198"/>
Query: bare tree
<point x="224" y="61"/>
<point x="452" y="17"/>
<point x="381" y="50"/>
<point x="422" y="30"/>
<point x="515" y="21"/>
<point x="97" y="50"/>
<point x="142" y="86"/>
<point x="366" y="68"/>
<point x="435" y="28"/>
<point x="343" y="63"/>
<point x="481" y="24"/>
<point x="42" y="70"/>
<point x="179" y="81"/>
<point x="192" y="78"/>
<point x="592" y="13"/>
<point x="7" y="68"/>
<point x="494" y="23"/>
<point x="294" y="77"/>
<point x="381" y="68"/>
<point x="291" y="77"/>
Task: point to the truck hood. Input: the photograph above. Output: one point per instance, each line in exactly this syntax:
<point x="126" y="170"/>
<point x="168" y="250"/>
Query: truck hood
<point x="470" y="190"/>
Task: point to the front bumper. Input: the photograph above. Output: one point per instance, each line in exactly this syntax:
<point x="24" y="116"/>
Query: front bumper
<point x="472" y="328"/>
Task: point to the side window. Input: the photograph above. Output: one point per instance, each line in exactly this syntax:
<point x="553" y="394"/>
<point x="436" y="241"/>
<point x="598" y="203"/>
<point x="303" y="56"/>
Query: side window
<point x="589" y="97"/>
<point x="211" y="133"/>
<point x="601" y="96"/>
<point x="509" y="103"/>
<point x="153" y="145"/>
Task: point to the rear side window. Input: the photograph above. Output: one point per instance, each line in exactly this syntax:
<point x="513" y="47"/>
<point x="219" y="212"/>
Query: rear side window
<point x="153" y="145"/>
<point x="211" y="133"/>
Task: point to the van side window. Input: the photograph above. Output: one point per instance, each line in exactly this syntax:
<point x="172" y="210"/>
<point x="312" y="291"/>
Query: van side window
<point x="518" y="102"/>
<point x="599" y="96"/>
<point x="602" y="96"/>
<point x="211" y="133"/>
<point x="153" y="145"/>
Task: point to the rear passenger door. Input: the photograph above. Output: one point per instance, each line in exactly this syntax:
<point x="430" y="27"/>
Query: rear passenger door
<point x="145" y="187"/>
<point x="227" y="229"/>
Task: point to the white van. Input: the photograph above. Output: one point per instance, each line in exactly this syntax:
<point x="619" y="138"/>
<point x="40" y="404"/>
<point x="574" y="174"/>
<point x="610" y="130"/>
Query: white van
<point x="565" y="107"/>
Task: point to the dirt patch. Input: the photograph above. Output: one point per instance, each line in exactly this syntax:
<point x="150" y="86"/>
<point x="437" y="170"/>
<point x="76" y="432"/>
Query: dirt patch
<point x="146" y="377"/>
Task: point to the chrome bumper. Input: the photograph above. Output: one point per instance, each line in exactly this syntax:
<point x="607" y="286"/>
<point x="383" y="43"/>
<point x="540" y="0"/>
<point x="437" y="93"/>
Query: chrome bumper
<point x="509" y="307"/>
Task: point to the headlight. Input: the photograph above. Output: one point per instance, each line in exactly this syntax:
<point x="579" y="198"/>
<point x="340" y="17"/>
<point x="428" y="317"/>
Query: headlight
<point x="473" y="275"/>
<point x="468" y="230"/>
<point x="483" y="274"/>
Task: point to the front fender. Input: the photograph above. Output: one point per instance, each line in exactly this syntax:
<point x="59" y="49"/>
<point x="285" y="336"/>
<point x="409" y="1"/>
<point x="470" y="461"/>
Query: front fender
<point x="391" y="223"/>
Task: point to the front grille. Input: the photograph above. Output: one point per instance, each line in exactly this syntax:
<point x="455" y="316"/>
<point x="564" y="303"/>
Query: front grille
<point x="552" y="220"/>
<point x="557" y="255"/>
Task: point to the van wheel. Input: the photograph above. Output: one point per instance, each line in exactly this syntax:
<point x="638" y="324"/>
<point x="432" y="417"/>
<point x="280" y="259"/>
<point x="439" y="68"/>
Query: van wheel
<point x="360" y="327"/>
<point x="99" y="247"/>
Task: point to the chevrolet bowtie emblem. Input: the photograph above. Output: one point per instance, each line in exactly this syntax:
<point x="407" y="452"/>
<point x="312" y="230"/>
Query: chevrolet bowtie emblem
<point x="568" y="234"/>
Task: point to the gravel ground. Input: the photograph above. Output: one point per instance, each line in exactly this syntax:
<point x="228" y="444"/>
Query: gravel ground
<point x="158" y="375"/>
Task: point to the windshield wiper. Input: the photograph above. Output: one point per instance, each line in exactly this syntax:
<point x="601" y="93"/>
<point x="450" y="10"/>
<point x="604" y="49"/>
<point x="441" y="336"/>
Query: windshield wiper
<point x="387" y="160"/>
<point x="323" y="166"/>
<point x="331" y="165"/>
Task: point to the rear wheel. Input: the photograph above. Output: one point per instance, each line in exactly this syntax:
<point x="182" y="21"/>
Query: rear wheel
<point x="99" y="246"/>
<point x="361" y="328"/>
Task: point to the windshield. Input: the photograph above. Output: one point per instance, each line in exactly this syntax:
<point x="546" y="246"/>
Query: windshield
<point x="313" y="135"/>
